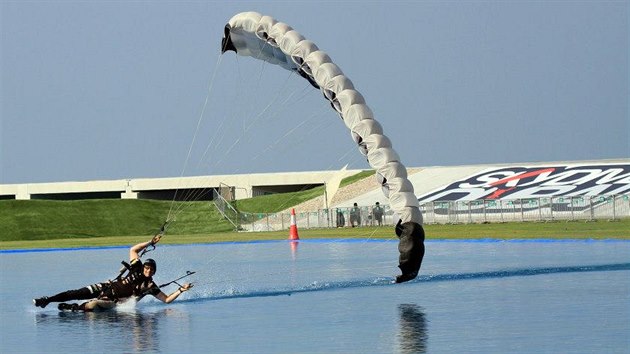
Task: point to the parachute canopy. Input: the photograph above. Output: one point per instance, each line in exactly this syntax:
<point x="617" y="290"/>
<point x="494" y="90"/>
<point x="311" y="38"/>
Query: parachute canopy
<point x="264" y="38"/>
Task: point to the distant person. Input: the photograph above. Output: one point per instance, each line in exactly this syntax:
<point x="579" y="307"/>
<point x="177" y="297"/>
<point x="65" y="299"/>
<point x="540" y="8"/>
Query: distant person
<point x="103" y="296"/>
<point x="377" y="211"/>
<point x="341" y="220"/>
<point x="355" y="215"/>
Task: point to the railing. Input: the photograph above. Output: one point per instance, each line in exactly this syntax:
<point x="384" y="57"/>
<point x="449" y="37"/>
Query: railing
<point x="225" y="208"/>
<point x="454" y="212"/>
<point x="536" y="209"/>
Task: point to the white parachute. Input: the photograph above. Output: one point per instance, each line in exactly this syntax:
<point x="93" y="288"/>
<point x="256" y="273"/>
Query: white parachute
<point x="263" y="37"/>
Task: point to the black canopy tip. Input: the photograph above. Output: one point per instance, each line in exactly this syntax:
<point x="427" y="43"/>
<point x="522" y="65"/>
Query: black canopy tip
<point x="411" y="248"/>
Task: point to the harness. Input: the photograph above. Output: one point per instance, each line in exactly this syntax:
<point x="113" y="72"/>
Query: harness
<point x="108" y="289"/>
<point x="127" y="277"/>
<point x="125" y="268"/>
<point x="141" y="286"/>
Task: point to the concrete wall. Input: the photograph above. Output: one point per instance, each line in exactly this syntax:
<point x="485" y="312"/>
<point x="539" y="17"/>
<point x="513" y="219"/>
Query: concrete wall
<point x="425" y="180"/>
<point x="165" y="188"/>
<point x="60" y="189"/>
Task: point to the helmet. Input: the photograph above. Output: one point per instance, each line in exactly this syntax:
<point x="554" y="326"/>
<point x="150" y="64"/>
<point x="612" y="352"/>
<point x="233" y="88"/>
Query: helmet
<point x="151" y="263"/>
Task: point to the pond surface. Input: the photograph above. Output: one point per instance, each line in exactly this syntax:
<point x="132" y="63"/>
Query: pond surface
<point x="322" y="296"/>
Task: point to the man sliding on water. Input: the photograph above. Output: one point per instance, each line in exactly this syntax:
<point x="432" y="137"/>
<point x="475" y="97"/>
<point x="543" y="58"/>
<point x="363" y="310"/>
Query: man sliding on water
<point x="138" y="282"/>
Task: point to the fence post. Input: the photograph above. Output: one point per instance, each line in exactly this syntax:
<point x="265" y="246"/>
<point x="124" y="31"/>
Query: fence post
<point x="453" y="206"/>
<point x="513" y="210"/>
<point x="448" y="212"/>
<point x="329" y="218"/>
<point x="469" y="212"/>
<point x="267" y="217"/>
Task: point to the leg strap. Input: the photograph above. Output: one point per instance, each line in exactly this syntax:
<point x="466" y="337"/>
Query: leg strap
<point x="89" y="292"/>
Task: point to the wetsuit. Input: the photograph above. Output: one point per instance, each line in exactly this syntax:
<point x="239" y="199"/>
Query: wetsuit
<point x="133" y="284"/>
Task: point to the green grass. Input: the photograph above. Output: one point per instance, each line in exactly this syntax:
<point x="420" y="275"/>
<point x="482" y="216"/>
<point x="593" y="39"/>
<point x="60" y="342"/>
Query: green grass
<point x="601" y="229"/>
<point x="48" y="219"/>
<point x="84" y="223"/>
<point x="274" y="203"/>
<point x="530" y="230"/>
<point x="354" y="178"/>
<point x="30" y="220"/>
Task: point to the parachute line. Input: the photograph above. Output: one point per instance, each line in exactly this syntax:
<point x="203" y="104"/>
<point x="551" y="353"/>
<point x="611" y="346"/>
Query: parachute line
<point x="264" y="38"/>
<point x="192" y="143"/>
<point x="250" y="34"/>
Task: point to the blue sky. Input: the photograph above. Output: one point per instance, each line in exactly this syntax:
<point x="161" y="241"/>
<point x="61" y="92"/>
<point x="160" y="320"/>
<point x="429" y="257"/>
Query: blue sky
<point x="115" y="89"/>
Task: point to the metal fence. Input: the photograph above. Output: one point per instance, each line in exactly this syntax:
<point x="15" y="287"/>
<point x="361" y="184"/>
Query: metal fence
<point x="225" y="208"/>
<point x="454" y="212"/>
<point x="534" y="209"/>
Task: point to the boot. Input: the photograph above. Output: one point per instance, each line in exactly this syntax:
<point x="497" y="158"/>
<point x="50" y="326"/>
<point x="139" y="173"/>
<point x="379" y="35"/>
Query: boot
<point x="68" y="307"/>
<point x="41" y="302"/>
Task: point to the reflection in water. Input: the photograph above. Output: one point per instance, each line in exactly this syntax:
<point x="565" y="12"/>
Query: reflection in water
<point x="137" y="328"/>
<point x="413" y="329"/>
<point x="294" y="249"/>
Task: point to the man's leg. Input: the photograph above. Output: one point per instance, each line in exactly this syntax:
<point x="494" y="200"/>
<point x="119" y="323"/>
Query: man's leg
<point x="97" y="305"/>
<point x="89" y="292"/>
<point x="68" y="307"/>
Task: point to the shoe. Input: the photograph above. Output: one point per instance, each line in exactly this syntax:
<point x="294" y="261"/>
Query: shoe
<point x="68" y="307"/>
<point x="41" y="302"/>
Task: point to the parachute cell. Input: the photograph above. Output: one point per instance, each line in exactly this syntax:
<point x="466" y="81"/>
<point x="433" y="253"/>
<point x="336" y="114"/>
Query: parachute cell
<point x="264" y="38"/>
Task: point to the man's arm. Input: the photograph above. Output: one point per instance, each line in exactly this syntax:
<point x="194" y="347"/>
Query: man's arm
<point x="135" y="250"/>
<point x="170" y="298"/>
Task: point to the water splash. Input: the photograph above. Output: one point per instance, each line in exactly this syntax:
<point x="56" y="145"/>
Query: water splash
<point x="380" y="281"/>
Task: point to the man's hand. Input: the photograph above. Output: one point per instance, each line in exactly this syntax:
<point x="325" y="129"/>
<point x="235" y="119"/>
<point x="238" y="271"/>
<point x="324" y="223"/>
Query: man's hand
<point x="186" y="287"/>
<point x="156" y="239"/>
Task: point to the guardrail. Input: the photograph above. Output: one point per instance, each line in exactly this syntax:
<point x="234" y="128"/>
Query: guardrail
<point x="454" y="212"/>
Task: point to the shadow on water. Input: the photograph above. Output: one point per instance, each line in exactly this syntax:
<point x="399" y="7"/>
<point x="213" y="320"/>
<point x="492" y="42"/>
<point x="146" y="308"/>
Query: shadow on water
<point x="139" y="329"/>
<point x="413" y="336"/>
<point x="323" y="286"/>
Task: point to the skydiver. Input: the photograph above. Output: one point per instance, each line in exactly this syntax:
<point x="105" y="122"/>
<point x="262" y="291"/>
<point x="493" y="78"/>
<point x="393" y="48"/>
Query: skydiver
<point x="103" y="296"/>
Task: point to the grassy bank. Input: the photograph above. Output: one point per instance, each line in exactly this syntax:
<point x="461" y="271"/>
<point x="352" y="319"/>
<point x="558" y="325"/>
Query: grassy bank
<point x="91" y="223"/>
<point x="22" y="220"/>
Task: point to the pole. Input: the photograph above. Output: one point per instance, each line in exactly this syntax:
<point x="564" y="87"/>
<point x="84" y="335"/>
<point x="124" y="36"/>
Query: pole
<point x="326" y="204"/>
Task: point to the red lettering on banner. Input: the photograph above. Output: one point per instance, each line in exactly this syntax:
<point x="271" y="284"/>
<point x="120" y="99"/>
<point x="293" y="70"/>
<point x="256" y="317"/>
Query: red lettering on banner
<point x="498" y="192"/>
<point x="522" y="176"/>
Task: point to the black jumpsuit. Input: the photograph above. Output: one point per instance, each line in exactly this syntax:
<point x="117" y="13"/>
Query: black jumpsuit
<point x="133" y="284"/>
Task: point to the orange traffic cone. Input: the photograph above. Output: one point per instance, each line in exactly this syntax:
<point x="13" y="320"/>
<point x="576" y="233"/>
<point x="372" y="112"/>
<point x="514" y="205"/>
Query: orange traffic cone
<point x="293" y="232"/>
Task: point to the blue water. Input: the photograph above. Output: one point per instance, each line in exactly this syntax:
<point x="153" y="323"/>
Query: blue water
<point x="334" y="296"/>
